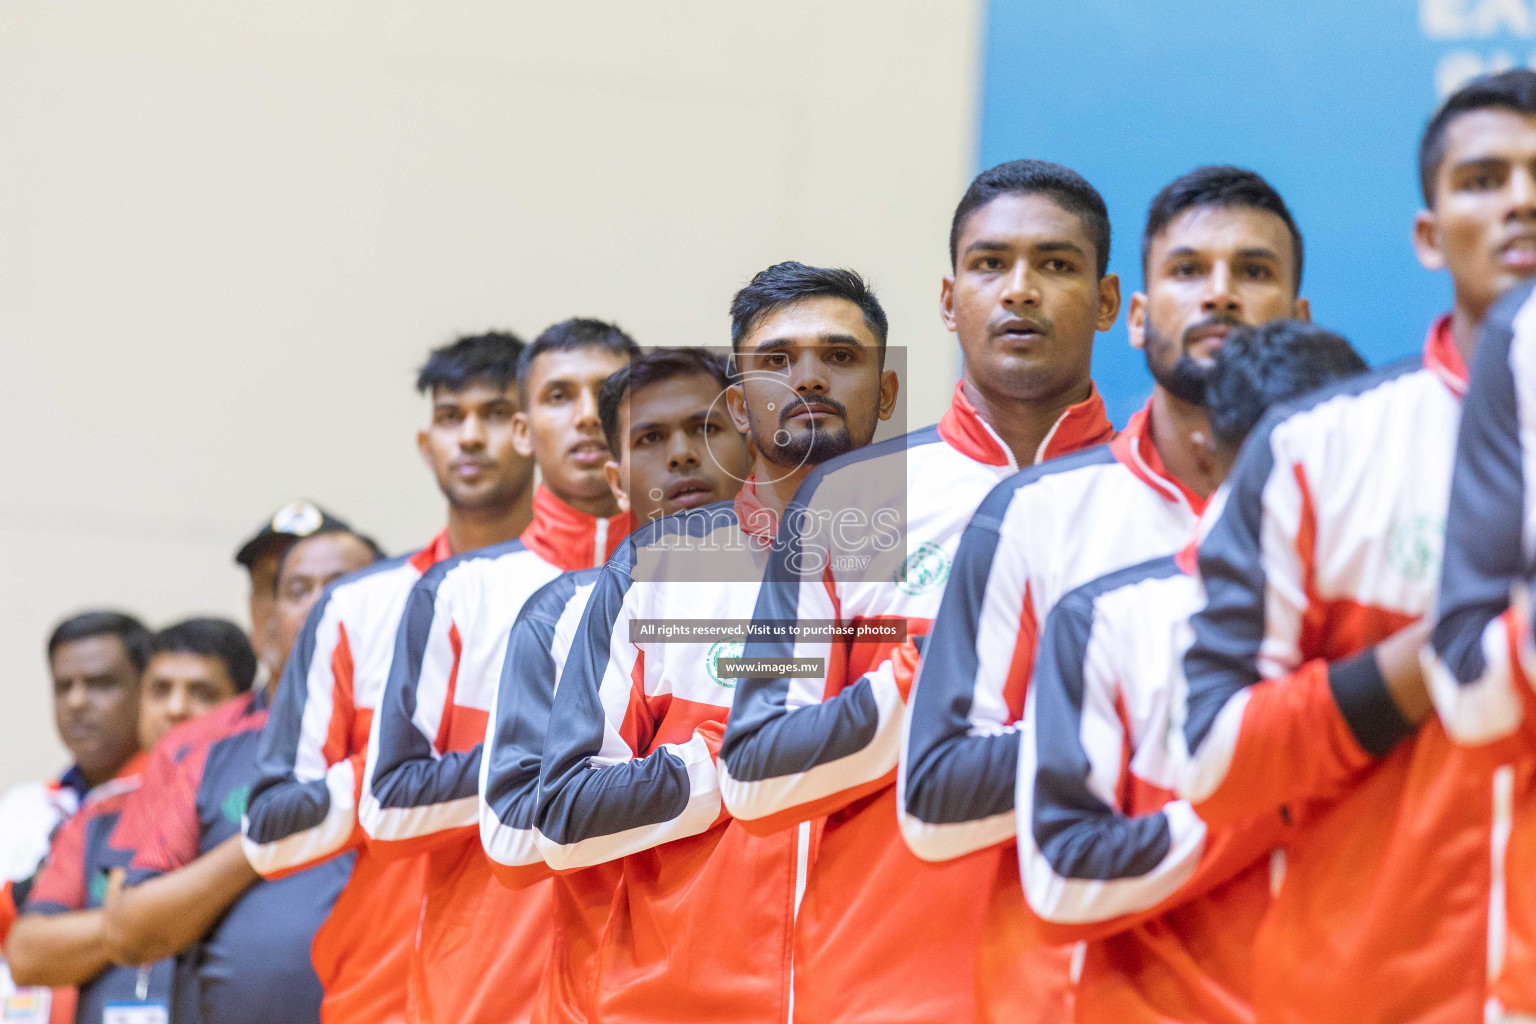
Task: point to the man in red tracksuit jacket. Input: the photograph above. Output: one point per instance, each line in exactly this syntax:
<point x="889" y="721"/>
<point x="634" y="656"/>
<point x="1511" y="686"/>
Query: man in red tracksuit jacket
<point x="1221" y="249"/>
<point x="1327" y="540"/>
<point x="674" y="447"/>
<point x="1029" y="291"/>
<point x="701" y="927"/>
<point x="1168" y="906"/>
<point x="303" y="806"/>
<point x="481" y="948"/>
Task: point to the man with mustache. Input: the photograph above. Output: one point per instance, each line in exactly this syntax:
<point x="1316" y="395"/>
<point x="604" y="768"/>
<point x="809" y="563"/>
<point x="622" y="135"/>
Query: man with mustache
<point x="702" y="925"/>
<point x="303" y="806"/>
<point x="881" y="935"/>
<point x="674" y="447"/>
<point x="1327" y="542"/>
<point x="480" y="948"/>
<point x="1220" y="249"/>
<point x="1167" y="907"/>
<point x="62" y="939"/>
<point x="95" y="660"/>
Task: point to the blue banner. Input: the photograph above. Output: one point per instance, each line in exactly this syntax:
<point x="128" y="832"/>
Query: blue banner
<point x="1325" y="99"/>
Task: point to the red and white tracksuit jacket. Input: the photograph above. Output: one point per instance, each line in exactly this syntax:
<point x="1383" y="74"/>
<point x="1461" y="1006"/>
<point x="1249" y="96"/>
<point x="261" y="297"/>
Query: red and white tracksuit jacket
<point x="303" y="807"/>
<point x="509" y="794"/>
<point x="1107" y="853"/>
<point x="702" y="923"/>
<point x="1038" y="535"/>
<point x="1325" y="539"/>
<point x="882" y="935"/>
<point x="481" y="947"/>
<point x="1479" y="676"/>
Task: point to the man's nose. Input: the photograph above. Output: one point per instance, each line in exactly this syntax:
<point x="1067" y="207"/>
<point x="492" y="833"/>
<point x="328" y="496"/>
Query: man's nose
<point x="179" y="704"/>
<point x="75" y="696"/>
<point x="1020" y="287"/>
<point x="682" y="451"/>
<point x="1522" y="192"/>
<point x="586" y="409"/>
<point x="1220" y="297"/>
<point x="472" y="432"/>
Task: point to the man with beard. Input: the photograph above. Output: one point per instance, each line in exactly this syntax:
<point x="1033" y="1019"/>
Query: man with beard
<point x="1220" y="249"/>
<point x="702" y="926"/>
<point x="303" y="807"/>
<point x="480" y="948"/>
<point x="1168" y="907"/>
<point x="1329" y="540"/>
<point x="881" y="935"/>
<point x="674" y="447"/>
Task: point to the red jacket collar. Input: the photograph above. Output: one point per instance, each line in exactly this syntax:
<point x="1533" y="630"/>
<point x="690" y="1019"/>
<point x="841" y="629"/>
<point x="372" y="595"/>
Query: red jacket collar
<point x="436" y="551"/>
<point x="756" y="519"/>
<point x="569" y="539"/>
<point x="1133" y="447"/>
<point x="1079" y="426"/>
<point x="1442" y="358"/>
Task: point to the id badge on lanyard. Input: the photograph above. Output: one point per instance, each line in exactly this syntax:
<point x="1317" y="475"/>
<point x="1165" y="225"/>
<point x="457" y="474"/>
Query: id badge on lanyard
<point x="141" y="1010"/>
<point x="27" y="1006"/>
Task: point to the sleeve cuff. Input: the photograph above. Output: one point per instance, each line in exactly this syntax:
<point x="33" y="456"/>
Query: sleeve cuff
<point x="1361" y="693"/>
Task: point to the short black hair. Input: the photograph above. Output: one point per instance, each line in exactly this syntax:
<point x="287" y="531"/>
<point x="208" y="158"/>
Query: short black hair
<point x="211" y="638"/>
<point x="133" y="633"/>
<point x="1064" y="186"/>
<point x="1260" y="366"/>
<point x="1218" y="186"/>
<point x="575" y="333"/>
<point x="791" y="281"/>
<point x="368" y="542"/>
<point x="653" y="367"/>
<point x="1508" y="90"/>
<point x="489" y="358"/>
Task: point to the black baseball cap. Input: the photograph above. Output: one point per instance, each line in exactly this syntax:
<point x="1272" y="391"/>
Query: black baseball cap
<point x="289" y="524"/>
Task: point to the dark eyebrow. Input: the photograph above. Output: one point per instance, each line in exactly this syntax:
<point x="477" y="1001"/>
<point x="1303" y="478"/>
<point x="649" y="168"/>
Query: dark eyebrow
<point x="776" y="344"/>
<point x="1252" y="252"/>
<point x="693" y="417"/>
<point x="1060" y="245"/>
<point x="1480" y="161"/>
<point x="986" y="245"/>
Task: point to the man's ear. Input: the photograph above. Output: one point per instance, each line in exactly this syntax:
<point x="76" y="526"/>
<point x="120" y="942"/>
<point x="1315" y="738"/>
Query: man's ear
<point x="1136" y="320"/>
<point x="425" y="449"/>
<point x="1426" y="240"/>
<point x="522" y="435"/>
<point x="947" y="302"/>
<point x="889" y="386"/>
<point x="736" y="405"/>
<point x="1109" y="301"/>
<point x="1303" y="310"/>
<point x="615" y="478"/>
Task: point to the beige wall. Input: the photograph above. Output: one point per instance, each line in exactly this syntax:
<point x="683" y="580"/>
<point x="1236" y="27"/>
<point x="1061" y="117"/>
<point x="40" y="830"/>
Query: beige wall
<point x="229" y="232"/>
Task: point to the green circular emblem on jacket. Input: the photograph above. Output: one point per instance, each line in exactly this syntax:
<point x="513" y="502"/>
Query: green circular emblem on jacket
<point x="925" y="569"/>
<point x="234" y="804"/>
<point x="723" y="649"/>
